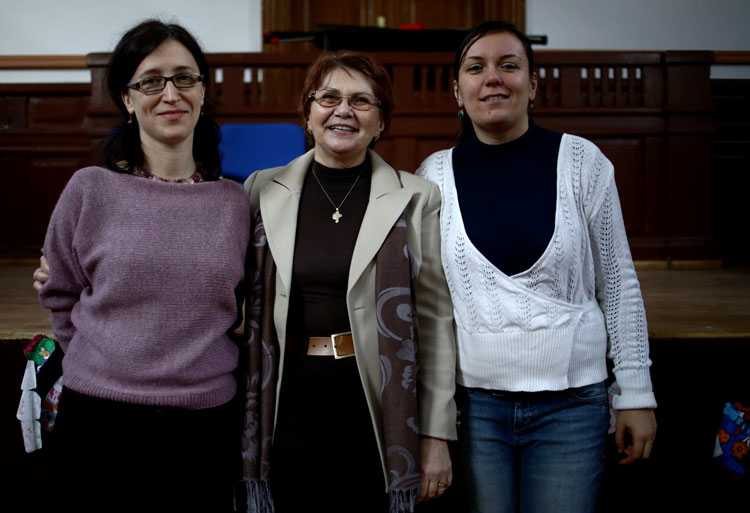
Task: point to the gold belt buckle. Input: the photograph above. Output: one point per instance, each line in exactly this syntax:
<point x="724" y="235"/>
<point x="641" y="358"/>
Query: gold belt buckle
<point x="335" y="344"/>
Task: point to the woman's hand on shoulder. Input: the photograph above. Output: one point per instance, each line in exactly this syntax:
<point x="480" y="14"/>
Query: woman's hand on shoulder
<point x="641" y="426"/>
<point x="41" y="274"/>
<point x="436" y="473"/>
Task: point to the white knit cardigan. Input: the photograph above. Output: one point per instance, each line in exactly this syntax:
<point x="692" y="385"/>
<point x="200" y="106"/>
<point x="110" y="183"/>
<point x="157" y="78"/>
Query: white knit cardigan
<point x="551" y="326"/>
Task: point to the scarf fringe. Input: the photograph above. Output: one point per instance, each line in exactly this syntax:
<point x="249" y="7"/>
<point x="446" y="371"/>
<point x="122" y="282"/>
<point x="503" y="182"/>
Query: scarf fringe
<point x="403" y="501"/>
<point x="258" y="496"/>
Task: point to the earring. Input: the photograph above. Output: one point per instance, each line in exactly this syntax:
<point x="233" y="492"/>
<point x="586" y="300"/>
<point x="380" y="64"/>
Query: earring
<point x="130" y="119"/>
<point x="531" y="106"/>
<point x="461" y="113"/>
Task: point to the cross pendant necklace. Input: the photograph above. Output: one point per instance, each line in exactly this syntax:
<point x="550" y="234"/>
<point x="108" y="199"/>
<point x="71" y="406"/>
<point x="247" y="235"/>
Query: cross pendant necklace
<point x="336" y="216"/>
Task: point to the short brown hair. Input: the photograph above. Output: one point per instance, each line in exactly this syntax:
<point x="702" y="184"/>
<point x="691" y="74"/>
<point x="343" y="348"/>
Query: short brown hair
<point x="379" y="79"/>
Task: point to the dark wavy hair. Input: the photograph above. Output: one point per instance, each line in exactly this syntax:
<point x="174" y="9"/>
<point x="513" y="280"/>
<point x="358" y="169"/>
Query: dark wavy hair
<point x="377" y="75"/>
<point x="475" y="34"/>
<point x="122" y="150"/>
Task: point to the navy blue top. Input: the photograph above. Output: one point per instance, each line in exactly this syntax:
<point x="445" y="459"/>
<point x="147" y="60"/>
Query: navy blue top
<point x="507" y="194"/>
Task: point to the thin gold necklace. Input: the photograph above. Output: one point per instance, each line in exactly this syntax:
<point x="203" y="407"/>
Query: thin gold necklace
<point x="336" y="216"/>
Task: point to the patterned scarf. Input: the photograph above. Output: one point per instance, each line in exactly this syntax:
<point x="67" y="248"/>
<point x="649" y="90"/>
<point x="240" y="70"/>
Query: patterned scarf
<point x="397" y="342"/>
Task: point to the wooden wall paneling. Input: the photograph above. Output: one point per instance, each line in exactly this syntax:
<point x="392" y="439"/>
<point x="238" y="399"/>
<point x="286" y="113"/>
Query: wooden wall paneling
<point x="511" y="10"/>
<point x="570" y="87"/>
<point x="651" y="245"/>
<point x="42" y="125"/>
<point x="402" y="76"/>
<point x="384" y="148"/>
<point x="307" y="15"/>
<point x="688" y="144"/>
<point x="4" y="113"/>
<point x="32" y="178"/>
<point x="731" y="167"/>
<point x="43" y="108"/>
<point x="13" y="109"/>
<point x="653" y="86"/>
<point x="690" y="220"/>
<point x="440" y="15"/>
<point x="13" y="201"/>
<point x="407" y="153"/>
<point x="688" y="83"/>
<point x="57" y="113"/>
<point x="47" y="177"/>
<point x="589" y="123"/>
<point x="232" y="87"/>
<point x="404" y="150"/>
<point x="627" y="155"/>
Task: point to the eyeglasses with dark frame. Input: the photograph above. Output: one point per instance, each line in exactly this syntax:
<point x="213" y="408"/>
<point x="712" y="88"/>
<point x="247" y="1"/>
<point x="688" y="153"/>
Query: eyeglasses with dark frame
<point x="331" y="98"/>
<point x="156" y="84"/>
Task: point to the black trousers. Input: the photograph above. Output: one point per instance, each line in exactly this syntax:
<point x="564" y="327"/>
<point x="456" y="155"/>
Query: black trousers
<point x="325" y="455"/>
<point x="114" y="456"/>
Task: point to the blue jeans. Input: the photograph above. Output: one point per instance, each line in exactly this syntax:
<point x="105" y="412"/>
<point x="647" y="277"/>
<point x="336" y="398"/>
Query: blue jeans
<point x="537" y="452"/>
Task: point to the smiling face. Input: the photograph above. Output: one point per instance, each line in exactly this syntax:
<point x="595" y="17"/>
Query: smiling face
<point x="342" y="134"/>
<point x="495" y="86"/>
<point x="167" y="117"/>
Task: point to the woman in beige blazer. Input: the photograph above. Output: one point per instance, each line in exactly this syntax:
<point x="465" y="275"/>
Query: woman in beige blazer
<point x="326" y="218"/>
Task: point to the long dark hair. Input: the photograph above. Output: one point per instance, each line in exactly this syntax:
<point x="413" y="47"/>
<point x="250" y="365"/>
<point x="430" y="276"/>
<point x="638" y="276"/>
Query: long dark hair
<point x="466" y="131"/>
<point x="122" y="150"/>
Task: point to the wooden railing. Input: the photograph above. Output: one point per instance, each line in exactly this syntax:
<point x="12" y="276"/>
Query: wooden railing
<point x="732" y="57"/>
<point x="650" y="112"/>
<point x="42" y="62"/>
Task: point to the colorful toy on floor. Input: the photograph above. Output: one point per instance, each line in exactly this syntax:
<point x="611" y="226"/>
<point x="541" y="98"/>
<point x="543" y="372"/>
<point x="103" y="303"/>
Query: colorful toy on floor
<point x="733" y="439"/>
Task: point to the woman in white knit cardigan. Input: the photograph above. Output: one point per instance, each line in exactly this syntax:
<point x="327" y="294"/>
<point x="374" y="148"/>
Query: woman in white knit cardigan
<point x="544" y="289"/>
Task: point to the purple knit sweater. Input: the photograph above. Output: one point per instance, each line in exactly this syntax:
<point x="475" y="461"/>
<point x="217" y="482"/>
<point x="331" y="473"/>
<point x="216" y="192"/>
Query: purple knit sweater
<point x="142" y="287"/>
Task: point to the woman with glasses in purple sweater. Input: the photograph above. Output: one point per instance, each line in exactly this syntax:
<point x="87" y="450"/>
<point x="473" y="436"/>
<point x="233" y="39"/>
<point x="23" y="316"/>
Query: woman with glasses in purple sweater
<point x="146" y="260"/>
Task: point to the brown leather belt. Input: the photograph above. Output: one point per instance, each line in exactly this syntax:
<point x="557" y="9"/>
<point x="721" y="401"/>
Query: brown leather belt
<point x="338" y="345"/>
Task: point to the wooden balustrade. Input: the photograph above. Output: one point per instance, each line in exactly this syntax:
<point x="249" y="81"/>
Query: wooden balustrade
<point x="650" y="112"/>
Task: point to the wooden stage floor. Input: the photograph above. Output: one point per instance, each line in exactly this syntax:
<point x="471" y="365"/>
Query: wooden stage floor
<point x="680" y="304"/>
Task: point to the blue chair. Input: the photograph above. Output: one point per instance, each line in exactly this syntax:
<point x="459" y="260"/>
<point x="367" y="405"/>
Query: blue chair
<point x="247" y="147"/>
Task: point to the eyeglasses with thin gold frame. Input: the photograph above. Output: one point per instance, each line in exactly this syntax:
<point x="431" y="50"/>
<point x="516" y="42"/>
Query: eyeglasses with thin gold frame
<point x="332" y="98"/>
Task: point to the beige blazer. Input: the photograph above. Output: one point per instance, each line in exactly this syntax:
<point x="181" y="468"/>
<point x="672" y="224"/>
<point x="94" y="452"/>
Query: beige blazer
<point x="276" y="192"/>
